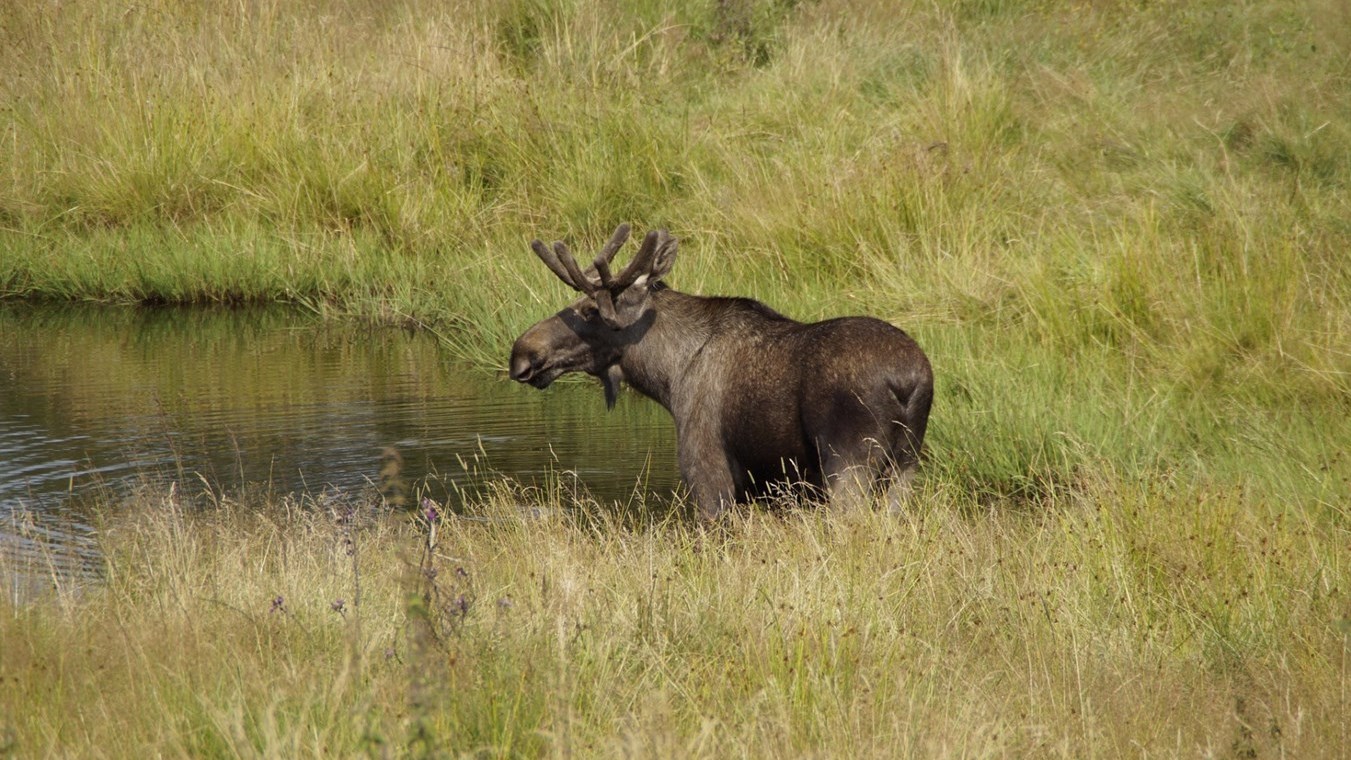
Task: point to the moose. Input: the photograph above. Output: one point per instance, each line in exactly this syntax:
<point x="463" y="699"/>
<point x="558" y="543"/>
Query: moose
<point x="759" y="400"/>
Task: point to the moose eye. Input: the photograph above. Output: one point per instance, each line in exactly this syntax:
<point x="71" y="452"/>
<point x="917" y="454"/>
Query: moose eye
<point x="589" y="312"/>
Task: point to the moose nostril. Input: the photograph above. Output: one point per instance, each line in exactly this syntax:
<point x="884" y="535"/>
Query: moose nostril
<point x="521" y="368"/>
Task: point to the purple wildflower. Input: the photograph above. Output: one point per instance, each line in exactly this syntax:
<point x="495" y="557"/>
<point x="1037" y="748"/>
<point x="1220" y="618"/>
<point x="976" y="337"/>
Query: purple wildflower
<point x="429" y="510"/>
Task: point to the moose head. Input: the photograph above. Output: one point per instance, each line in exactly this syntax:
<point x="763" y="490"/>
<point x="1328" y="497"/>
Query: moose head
<point x="589" y="335"/>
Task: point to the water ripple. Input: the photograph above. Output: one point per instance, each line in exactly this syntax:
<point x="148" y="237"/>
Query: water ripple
<point x="94" y="402"/>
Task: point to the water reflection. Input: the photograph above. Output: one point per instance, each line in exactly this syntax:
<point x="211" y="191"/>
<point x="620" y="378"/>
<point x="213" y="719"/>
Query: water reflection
<point x="95" y="399"/>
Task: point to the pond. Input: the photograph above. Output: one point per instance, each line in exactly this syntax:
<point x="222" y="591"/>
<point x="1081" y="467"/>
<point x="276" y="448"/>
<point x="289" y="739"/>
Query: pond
<point x="95" y="401"/>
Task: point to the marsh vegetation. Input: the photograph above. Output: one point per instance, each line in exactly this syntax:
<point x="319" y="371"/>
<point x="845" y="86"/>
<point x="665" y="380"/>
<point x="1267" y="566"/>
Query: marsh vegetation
<point x="1118" y="230"/>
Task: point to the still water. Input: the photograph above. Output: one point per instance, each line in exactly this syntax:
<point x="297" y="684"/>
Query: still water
<point x="96" y="401"/>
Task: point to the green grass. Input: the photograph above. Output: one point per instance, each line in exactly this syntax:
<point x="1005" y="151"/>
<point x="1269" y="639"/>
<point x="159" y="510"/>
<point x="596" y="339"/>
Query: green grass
<point x="1118" y="229"/>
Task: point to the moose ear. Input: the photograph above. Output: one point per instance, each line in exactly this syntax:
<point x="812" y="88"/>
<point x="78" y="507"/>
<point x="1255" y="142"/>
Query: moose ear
<point x="665" y="256"/>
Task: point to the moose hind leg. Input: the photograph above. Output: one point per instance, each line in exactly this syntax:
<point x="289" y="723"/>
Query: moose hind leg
<point x="905" y="461"/>
<point x="854" y="445"/>
<point x="900" y="486"/>
<point x="850" y="474"/>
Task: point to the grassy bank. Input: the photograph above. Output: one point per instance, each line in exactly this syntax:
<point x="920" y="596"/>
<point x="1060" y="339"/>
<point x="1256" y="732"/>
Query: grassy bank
<point x="1158" y="620"/>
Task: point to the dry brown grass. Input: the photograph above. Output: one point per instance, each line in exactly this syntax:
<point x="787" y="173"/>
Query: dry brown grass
<point x="1157" y="619"/>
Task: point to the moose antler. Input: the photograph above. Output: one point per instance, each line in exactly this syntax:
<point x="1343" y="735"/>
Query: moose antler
<point x="641" y="264"/>
<point x="561" y="262"/>
<point x="602" y="261"/>
<point x="551" y="261"/>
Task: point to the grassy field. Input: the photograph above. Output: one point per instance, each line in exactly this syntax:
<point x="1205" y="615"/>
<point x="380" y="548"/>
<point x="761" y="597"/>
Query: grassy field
<point x="1143" y="620"/>
<point x="1119" y="229"/>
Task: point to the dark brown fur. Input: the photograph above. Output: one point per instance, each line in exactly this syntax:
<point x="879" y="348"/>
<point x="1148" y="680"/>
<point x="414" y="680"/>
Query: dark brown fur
<point x="757" y="398"/>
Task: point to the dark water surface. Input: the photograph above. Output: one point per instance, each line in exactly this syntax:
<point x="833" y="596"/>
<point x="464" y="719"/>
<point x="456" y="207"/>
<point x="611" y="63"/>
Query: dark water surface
<point x="94" y="401"/>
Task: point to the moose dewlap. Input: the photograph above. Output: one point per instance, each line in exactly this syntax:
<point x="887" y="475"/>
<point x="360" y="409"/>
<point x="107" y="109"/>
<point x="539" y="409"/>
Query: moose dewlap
<point x="758" y="399"/>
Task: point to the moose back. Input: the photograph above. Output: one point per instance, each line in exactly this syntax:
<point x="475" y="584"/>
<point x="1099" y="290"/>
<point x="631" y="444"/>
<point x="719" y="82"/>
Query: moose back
<point x="758" y="399"/>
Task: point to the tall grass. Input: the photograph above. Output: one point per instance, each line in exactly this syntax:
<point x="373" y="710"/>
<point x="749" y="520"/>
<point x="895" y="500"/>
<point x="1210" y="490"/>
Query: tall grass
<point x="1163" y="619"/>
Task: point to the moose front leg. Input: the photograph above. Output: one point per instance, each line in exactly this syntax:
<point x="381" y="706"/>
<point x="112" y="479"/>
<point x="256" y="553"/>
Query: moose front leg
<point x="708" y="474"/>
